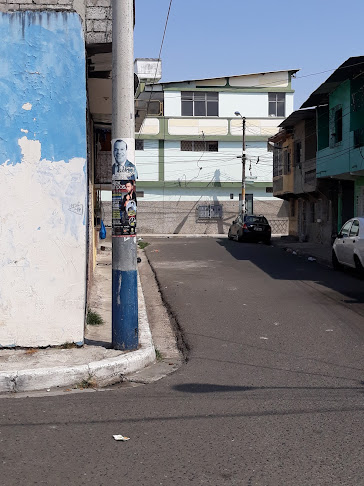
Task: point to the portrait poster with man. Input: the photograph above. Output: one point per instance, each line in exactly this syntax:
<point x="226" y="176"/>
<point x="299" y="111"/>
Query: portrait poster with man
<point x="124" y="201"/>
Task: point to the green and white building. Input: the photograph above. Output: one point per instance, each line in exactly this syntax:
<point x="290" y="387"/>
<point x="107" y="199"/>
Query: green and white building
<point x="188" y="147"/>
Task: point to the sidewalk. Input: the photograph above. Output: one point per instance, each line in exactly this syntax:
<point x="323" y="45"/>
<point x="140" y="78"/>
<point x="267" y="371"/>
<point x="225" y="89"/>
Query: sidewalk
<point x="321" y="253"/>
<point x="96" y="364"/>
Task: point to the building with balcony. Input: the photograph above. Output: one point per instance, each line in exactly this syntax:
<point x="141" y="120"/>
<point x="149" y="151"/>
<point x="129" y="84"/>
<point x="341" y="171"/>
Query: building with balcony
<point x="294" y="178"/>
<point x="339" y="103"/>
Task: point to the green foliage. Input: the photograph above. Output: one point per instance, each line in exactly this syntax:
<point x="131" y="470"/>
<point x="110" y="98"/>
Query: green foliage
<point x="143" y="244"/>
<point x="93" y="318"/>
<point x="158" y="355"/>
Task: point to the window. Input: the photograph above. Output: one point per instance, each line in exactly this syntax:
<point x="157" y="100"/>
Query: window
<point x="287" y="162"/>
<point x="345" y="229"/>
<point x="338" y="125"/>
<point x="354" y="230"/>
<point x="210" y="211"/>
<point x="269" y="189"/>
<point x="323" y="123"/>
<point x="297" y="154"/>
<point x="195" y="103"/>
<point x="139" y="144"/>
<point x="277" y="160"/>
<point x="256" y="219"/>
<point x="292" y="204"/>
<point x="358" y="138"/>
<point x="199" y="146"/>
<point x="277" y="104"/>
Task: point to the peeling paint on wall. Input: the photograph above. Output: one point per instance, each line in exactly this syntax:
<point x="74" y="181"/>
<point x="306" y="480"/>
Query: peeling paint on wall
<point x="44" y="179"/>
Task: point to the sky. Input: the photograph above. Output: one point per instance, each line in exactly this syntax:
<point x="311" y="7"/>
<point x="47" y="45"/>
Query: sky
<point x="214" y="38"/>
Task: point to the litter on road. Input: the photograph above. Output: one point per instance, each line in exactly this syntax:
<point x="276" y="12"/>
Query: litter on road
<point x="121" y="437"/>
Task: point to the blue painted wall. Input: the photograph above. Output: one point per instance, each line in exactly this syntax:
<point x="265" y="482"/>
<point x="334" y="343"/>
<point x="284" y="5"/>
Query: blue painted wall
<point x="43" y="178"/>
<point x="43" y="63"/>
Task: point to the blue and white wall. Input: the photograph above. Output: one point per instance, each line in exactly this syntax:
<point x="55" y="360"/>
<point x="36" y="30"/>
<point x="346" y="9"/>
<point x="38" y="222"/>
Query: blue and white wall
<point x="42" y="179"/>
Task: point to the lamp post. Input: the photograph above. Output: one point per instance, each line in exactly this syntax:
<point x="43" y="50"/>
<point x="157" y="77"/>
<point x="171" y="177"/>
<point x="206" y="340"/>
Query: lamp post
<point x="243" y="160"/>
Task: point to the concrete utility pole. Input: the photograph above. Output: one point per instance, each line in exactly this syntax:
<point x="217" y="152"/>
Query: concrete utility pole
<point x="124" y="249"/>
<point x="243" y="159"/>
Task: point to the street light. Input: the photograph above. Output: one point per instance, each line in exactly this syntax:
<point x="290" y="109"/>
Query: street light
<point x="243" y="159"/>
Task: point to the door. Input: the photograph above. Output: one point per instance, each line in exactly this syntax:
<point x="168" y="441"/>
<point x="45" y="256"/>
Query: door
<point x="352" y="242"/>
<point x="342" y="246"/>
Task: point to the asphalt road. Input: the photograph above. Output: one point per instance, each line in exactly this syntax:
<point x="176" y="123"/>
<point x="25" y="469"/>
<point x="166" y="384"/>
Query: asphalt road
<point x="272" y="393"/>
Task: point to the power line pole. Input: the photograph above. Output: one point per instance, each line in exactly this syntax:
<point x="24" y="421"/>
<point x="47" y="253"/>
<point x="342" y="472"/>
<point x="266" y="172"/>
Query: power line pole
<point x="243" y="160"/>
<point x="124" y="250"/>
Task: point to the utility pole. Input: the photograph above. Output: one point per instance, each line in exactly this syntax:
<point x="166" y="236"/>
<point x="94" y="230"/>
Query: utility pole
<point x="124" y="249"/>
<point x="243" y="159"/>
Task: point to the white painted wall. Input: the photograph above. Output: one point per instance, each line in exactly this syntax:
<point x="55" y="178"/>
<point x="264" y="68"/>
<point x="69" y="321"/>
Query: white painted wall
<point x="248" y="104"/>
<point x="43" y="249"/>
<point x="172" y="103"/>
<point x="289" y="104"/>
<point x="147" y="161"/>
<point x="220" y="166"/>
<point x="209" y="194"/>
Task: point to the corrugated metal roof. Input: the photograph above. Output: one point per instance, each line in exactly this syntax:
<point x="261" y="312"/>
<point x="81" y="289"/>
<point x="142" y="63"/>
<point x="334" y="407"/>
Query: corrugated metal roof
<point x="292" y="71"/>
<point x="349" y="69"/>
<point x="297" y="116"/>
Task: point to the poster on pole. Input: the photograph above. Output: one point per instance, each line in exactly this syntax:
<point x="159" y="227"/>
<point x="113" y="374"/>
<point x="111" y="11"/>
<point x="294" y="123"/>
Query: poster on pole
<point x="124" y="208"/>
<point x="124" y="201"/>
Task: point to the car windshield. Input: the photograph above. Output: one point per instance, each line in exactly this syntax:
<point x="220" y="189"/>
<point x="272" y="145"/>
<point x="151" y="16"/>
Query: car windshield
<point x="256" y="219"/>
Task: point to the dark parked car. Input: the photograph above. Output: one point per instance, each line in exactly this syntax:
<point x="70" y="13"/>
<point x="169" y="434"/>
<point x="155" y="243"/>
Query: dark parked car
<point x="250" y="228"/>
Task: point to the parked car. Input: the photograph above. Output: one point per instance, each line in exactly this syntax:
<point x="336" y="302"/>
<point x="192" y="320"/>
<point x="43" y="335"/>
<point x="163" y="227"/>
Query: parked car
<point x="250" y="228"/>
<point x="348" y="247"/>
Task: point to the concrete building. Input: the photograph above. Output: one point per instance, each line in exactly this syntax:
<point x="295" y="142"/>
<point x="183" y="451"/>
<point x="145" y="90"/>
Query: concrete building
<point x="187" y="151"/>
<point x="294" y="178"/>
<point x="339" y="103"/>
<point x="46" y="165"/>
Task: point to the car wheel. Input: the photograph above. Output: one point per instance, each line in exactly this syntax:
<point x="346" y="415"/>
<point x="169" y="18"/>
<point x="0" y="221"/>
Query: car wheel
<point x="335" y="262"/>
<point x="358" y="266"/>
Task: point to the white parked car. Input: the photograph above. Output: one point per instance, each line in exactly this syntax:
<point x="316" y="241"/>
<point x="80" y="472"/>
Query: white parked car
<point x="348" y="247"/>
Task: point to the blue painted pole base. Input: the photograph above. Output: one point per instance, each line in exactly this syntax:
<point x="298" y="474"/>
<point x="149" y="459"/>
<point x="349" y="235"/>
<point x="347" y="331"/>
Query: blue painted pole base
<point x="124" y="310"/>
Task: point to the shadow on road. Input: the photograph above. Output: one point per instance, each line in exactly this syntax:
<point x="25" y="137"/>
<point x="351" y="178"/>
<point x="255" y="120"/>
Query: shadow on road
<point x="284" y="266"/>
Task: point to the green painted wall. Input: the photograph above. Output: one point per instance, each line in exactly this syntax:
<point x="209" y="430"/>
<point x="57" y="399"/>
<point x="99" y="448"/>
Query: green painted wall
<point x="340" y="158"/>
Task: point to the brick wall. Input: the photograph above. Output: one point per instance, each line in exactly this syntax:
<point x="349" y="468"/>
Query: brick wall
<point x="95" y="14"/>
<point x="174" y="217"/>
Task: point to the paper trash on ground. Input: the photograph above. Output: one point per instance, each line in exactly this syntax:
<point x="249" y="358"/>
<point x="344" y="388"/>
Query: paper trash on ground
<point x="121" y="437"/>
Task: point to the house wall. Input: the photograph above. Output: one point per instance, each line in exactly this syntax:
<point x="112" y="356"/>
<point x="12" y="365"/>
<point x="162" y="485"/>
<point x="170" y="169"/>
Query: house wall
<point x="335" y="159"/>
<point x="173" y="210"/>
<point x="43" y="175"/>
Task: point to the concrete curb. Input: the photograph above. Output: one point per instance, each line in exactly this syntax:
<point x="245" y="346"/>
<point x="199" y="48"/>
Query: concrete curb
<point x="103" y="372"/>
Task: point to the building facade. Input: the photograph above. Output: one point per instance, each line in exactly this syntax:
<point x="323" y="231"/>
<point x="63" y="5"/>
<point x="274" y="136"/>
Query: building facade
<point x="188" y="149"/>
<point x="339" y="103"/>
<point x="294" y="179"/>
